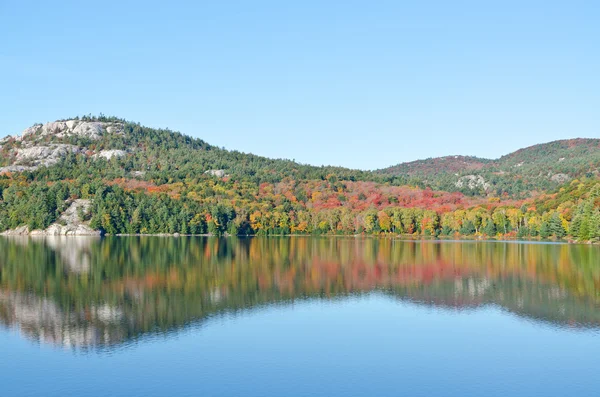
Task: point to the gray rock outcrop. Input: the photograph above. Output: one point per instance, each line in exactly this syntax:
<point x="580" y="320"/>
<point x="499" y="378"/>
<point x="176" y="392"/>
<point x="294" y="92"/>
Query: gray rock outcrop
<point x="17" y="168"/>
<point x="560" y="178"/>
<point x="68" y="224"/>
<point x="472" y="182"/>
<point x="63" y="129"/>
<point x="45" y="155"/>
<point x="217" y="173"/>
<point x="47" y="144"/>
<point x="108" y="154"/>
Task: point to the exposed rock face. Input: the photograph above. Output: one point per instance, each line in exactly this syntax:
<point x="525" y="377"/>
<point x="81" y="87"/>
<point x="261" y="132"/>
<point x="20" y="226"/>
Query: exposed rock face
<point x="217" y="173"/>
<point x="32" y="149"/>
<point x="17" y="168"/>
<point x="472" y="182"/>
<point x="108" y="154"/>
<point x="88" y="130"/>
<point x="560" y="178"/>
<point x="72" y="225"/>
<point x="69" y="224"/>
<point x="45" y="155"/>
<point x="70" y="216"/>
<point x="62" y="129"/>
<point x="54" y="230"/>
<point x="28" y="132"/>
<point x="20" y="231"/>
<point x="69" y="230"/>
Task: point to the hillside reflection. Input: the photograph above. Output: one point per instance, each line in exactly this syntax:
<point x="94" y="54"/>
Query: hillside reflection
<point x="94" y="293"/>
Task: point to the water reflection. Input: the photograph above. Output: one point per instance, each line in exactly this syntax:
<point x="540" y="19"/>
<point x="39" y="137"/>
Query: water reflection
<point x="92" y="293"/>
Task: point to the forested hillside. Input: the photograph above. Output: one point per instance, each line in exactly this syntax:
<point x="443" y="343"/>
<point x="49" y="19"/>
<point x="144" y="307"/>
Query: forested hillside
<point x="160" y="155"/>
<point x="143" y="180"/>
<point x="533" y="169"/>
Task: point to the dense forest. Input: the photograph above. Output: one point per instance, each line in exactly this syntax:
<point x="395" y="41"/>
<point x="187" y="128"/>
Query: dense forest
<point x="145" y="181"/>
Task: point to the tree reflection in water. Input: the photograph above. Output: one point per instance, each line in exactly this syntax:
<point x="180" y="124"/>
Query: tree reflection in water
<point x="97" y="293"/>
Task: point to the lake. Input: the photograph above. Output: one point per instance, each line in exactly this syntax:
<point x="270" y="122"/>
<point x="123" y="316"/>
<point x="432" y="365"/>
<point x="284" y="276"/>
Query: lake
<point x="299" y="316"/>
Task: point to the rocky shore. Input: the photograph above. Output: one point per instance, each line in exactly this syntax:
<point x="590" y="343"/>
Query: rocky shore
<point x="68" y="224"/>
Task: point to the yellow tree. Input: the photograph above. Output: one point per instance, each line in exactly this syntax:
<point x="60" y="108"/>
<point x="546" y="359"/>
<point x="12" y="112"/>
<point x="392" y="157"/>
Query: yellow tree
<point x="385" y="223"/>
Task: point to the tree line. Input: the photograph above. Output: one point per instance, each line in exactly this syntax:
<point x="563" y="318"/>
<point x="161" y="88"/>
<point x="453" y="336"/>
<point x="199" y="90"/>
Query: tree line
<point x="213" y="207"/>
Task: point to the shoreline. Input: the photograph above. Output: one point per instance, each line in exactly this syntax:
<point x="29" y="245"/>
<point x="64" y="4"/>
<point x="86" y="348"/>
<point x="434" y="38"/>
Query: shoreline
<point x="399" y="237"/>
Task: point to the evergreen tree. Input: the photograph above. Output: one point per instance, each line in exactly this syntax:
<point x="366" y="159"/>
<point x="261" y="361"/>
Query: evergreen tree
<point x="489" y="229"/>
<point x="555" y="226"/>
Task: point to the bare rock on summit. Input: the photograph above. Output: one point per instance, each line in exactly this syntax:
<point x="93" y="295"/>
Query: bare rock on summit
<point x="47" y="144"/>
<point x="61" y="129"/>
<point x="88" y="130"/>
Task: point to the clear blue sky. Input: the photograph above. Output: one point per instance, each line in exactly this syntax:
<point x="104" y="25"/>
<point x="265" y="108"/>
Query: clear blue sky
<point x="361" y="84"/>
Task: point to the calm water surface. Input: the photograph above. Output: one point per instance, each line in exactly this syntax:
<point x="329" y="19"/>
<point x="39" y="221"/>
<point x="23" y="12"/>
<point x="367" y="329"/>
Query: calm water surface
<point x="151" y="316"/>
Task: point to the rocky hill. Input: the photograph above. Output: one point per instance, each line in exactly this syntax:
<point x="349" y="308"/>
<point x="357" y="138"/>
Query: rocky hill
<point x="140" y="180"/>
<point x="47" y="144"/>
<point x="160" y="153"/>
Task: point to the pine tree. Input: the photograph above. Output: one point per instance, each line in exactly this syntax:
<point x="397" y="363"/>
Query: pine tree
<point x="489" y="229"/>
<point x="555" y="226"/>
<point x="544" y="230"/>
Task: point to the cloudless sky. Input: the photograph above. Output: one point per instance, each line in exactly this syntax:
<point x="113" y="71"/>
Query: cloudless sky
<point x="363" y="84"/>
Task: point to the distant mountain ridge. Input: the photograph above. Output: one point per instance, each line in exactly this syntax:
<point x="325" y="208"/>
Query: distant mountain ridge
<point x="538" y="167"/>
<point x="456" y="163"/>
